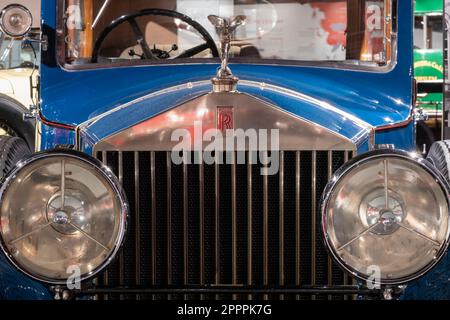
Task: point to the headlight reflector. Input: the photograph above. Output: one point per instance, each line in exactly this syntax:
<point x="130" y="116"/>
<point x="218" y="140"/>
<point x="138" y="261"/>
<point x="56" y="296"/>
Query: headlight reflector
<point x="16" y="20"/>
<point x="48" y="237"/>
<point x="388" y="210"/>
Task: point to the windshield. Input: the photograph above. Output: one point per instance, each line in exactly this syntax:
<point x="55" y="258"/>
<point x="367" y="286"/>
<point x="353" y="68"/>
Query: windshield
<point x="117" y="31"/>
<point x="17" y="53"/>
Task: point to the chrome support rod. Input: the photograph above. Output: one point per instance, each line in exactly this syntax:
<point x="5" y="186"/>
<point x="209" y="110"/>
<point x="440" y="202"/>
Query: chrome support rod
<point x="313" y="219"/>
<point x="297" y="220"/>
<point x="137" y="220"/>
<point x="169" y="219"/>
<point x="233" y="223"/>
<point x="106" y="275"/>
<point x="217" y="224"/>
<point x="281" y="223"/>
<point x="202" y="224"/>
<point x="121" y="257"/>
<point x="249" y="224"/>
<point x="185" y="226"/>
<point x="153" y="215"/>
<point x="265" y="231"/>
<point x="330" y="260"/>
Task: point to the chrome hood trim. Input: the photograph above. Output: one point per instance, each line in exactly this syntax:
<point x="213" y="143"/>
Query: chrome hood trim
<point x="147" y="123"/>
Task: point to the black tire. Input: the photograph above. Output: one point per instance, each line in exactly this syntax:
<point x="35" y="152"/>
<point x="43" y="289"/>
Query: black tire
<point x="12" y="150"/>
<point x="439" y="156"/>
<point x="11" y="115"/>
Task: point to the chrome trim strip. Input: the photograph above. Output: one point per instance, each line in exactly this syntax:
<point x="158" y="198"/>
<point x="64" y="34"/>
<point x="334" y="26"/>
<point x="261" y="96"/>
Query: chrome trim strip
<point x="297" y="219"/>
<point x="217" y="223"/>
<point x="202" y="224"/>
<point x="281" y="223"/>
<point x="105" y="274"/>
<point x="153" y="213"/>
<point x="233" y="222"/>
<point x="294" y="133"/>
<point x="313" y="219"/>
<point x="185" y="226"/>
<point x="249" y="223"/>
<point x="121" y="257"/>
<point x="265" y="231"/>
<point x="330" y="260"/>
<point x="169" y="219"/>
<point x="137" y="218"/>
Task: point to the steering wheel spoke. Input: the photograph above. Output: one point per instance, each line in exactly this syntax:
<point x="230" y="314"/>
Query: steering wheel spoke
<point x="192" y="51"/>
<point x="140" y="38"/>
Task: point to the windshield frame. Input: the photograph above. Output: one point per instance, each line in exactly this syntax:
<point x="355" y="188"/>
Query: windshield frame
<point x="355" y="65"/>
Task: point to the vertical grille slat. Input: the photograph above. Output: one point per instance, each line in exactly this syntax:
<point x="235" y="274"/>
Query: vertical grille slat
<point x="137" y="220"/>
<point x="265" y="233"/>
<point x="330" y="260"/>
<point x="104" y="160"/>
<point x="217" y="224"/>
<point x="249" y="223"/>
<point x="169" y="219"/>
<point x="153" y="216"/>
<point x="281" y="271"/>
<point x="297" y="220"/>
<point x="233" y="223"/>
<point x="185" y="226"/>
<point x="224" y="224"/>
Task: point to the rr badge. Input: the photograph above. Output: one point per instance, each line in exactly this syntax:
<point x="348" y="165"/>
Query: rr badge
<point x="225" y="118"/>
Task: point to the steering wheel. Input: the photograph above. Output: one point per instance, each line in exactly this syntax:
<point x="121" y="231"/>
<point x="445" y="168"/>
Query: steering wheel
<point x="140" y="37"/>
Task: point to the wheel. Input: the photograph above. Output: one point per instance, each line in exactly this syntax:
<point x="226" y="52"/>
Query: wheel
<point x="12" y="123"/>
<point x="439" y="156"/>
<point x="12" y="150"/>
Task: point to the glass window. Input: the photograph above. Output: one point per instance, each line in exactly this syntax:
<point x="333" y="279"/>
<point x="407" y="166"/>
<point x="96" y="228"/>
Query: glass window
<point x="293" y="30"/>
<point x="428" y="32"/>
<point x="18" y="53"/>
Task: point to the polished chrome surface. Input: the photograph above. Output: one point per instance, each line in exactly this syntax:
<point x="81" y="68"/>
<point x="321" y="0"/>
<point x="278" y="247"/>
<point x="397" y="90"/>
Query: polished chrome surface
<point x="236" y="249"/>
<point x="225" y="28"/>
<point x="297" y="218"/>
<point x="155" y="134"/>
<point x="71" y="223"/>
<point x="391" y="208"/>
<point x="281" y="236"/>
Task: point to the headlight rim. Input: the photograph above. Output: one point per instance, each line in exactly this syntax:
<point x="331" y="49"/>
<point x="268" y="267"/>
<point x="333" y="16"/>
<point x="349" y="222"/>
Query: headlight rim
<point x="112" y="180"/>
<point x="354" y="163"/>
<point x="5" y="30"/>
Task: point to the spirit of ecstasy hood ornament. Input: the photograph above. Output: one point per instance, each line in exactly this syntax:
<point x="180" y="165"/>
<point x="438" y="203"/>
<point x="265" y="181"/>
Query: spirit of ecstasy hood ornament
<point x="224" y="81"/>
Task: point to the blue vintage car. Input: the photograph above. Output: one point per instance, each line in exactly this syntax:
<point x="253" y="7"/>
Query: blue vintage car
<point x="223" y="148"/>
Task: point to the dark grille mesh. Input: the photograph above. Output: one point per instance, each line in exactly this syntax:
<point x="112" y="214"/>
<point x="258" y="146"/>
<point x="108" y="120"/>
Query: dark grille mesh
<point x="188" y="238"/>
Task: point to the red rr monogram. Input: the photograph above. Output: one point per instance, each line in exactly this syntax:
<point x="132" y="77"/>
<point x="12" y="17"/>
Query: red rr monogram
<point x="225" y="118"/>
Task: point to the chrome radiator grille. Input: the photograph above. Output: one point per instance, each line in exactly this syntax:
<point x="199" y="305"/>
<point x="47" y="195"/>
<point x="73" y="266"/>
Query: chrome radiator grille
<point x="223" y="226"/>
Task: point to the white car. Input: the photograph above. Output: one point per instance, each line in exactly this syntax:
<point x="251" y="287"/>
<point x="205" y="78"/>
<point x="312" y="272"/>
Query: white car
<point x="18" y="64"/>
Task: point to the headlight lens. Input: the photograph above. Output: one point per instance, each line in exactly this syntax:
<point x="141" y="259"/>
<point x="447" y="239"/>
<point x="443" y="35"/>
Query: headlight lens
<point x="387" y="210"/>
<point x="16" y="20"/>
<point x="50" y="238"/>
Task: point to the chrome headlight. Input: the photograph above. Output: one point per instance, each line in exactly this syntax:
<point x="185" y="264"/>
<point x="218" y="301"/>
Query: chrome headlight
<point x="62" y="214"/>
<point x="387" y="210"/>
<point x="16" y="20"/>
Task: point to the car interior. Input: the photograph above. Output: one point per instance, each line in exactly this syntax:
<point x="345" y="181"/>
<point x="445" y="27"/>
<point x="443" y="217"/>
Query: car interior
<point x="111" y="31"/>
